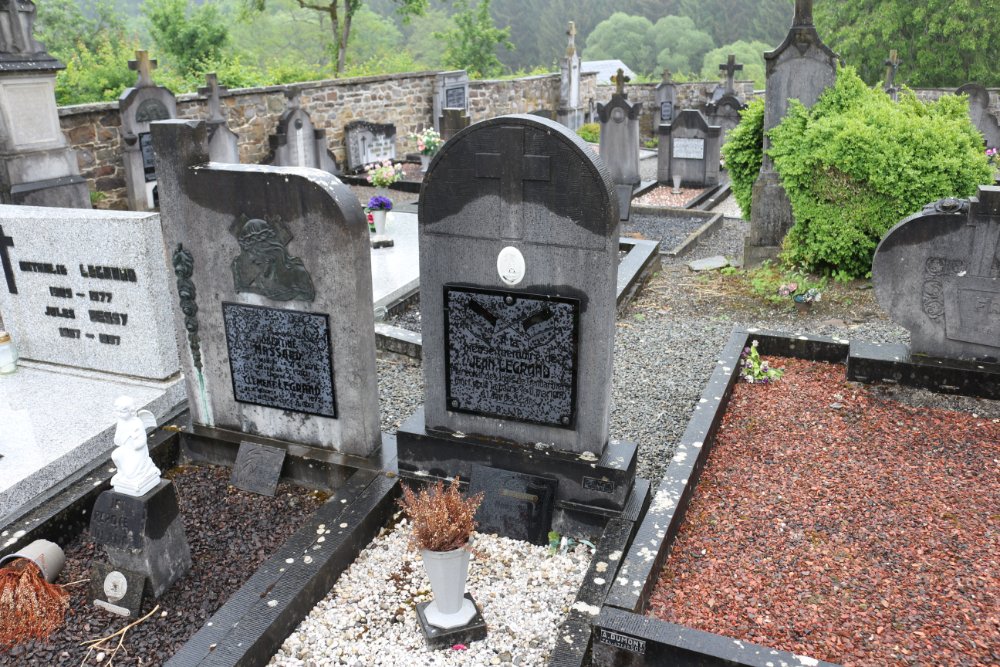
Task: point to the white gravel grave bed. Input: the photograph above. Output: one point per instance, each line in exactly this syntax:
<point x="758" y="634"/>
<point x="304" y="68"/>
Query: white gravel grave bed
<point x="369" y="618"/>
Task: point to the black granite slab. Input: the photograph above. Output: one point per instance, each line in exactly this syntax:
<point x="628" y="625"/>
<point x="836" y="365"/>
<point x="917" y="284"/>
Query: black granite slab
<point x="515" y="504"/>
<point x="473" y="631"/>
<point x="888" y="362"/>
<point x="257" y="468"/>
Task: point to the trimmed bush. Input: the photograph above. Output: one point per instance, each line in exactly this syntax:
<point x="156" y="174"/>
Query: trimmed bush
<point x="590" y="132"/>
<point x="743" y="153"/>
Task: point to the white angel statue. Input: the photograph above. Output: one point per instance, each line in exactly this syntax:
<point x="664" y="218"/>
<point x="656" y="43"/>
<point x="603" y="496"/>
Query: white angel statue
<point x="137" y="474"/>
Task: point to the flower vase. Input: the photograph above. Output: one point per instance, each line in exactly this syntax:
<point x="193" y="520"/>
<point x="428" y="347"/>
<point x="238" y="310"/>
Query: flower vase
<point x="448" y="572"/>
<point x="381" y="192"/>
<point x="378" y="219"/>
<point x="425" y="161"/>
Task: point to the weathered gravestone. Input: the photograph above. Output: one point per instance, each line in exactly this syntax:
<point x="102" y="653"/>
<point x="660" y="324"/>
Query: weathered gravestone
<point x="570" y="112"/>
<point x="724" y="109"/>
<point x="620" y="134"/>
<point x="979" y="112"/>
<point x="519" y="246"/>
<point x="801" y="68"/>
<point x="451" y="91"/>
<point x="36" y="167"/>
<point x="223" y="144"/>
<point x="87" y="288"/>
<point x="452" y="122"/>
<point x="891" y="68"/>
<point x="937" y="273"/>
<point x="368" y="143"/>
<point x="273" y="296"/>
<point x="296" y="142"/>
<point x="139" y="106"/>
<point x="666" y="99"/>
<point x="258" y="468"/>
<point x="689" y="148"/>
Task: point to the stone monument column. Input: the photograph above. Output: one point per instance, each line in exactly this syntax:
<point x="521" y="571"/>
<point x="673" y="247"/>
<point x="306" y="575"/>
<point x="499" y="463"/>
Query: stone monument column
<point x="570" y="112"/>
<point x="801" y="68"/>
<point x="36" y="166"/>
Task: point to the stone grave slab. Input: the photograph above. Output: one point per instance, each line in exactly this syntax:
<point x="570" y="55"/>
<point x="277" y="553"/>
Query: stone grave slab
<point x="689" y="148"/>
<point x="368" y="143"/>
<point x="272" y="293"/>
<point x="515" y="505"/>
<point x="396" y="269"/>
<point x="87" y="289"/>
<point x="258" y="468"/>
<point x="120" y="592"/>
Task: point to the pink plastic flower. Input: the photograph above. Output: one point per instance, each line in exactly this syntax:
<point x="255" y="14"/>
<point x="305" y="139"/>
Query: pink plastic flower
<point x="459" y="647"/>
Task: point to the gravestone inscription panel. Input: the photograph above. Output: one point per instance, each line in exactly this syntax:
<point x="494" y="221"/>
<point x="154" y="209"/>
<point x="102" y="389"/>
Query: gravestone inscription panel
<point x="273" y="296"/>
<point x="691" y="149"/>
<point x="258" y="468"/>
<point x="451" y="91"/>
<point x="87" y="288"/>
<point x="368" y="143"/>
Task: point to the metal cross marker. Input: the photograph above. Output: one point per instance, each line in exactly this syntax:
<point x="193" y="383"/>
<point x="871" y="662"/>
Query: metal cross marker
<point x="8" y="268"/>
<point x="144" y="66"/>
<point x="213" y="91"/>
<point x="620" y="80"/>
<point x="513" y="168"/>
<point x="731" y="67"/>
<point x="803" y="13"/>
<point x="891" y="65"/>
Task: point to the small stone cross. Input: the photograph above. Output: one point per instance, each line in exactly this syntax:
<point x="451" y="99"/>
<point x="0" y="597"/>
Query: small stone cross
<point x="513" y="167"/>
<point x="667" y="75"/>
<point x="8" y="269"/>
<point x="571" y="45"/>
<point x="213" y="91"/>
<point x="803" y="13"/>
<point x="891" y="65"/>
<point x="731" y="67"/>
<point x="144" y="66"/>
<point x="620" y="80"/>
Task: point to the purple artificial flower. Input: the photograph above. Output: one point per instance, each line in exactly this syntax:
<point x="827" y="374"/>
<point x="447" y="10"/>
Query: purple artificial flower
<point x="379" y="203"/>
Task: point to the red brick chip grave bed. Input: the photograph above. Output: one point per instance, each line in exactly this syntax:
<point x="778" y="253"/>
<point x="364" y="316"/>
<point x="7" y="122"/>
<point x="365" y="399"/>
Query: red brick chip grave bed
<point x="838" y="524"/>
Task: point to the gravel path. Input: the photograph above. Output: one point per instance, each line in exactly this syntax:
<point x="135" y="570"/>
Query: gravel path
<point x="669" y="230"/>
<point x="368" y="618"/>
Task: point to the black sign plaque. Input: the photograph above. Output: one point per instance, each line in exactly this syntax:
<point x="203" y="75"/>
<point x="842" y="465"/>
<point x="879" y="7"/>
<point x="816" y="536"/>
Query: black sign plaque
<point x="280" y="358"/>
<point x="148" y="158"/>
<point x="454" y="98"/>
<point x="257" y="468"/>
<point x="511" y="355"/>
<point x="666" y="111"/>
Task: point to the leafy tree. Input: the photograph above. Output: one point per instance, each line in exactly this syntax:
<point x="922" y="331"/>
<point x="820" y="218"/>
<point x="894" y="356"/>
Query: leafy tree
<point x="379" y="36"/>
<point x="281" y="32"/>
<point x="421" y="42"/>
<point x="678" y="44"/>
<point x="96" y="75"/>
<point x="186" y="36"/>
<point x="473" y="42"/>
<point x="744" y="153"/>
<point x="64" y="24"/>
<point x="728" y="21"/>
<point x="941" y="42"/>
<point x="749" y="54"/>
<point x="622" y="37"/>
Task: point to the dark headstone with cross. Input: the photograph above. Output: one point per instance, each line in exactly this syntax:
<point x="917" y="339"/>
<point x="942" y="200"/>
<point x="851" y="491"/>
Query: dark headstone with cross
<point x="297" y="142"/>
<point x="801" y="68"/>
<point x="891" y="67"/>
<point x="223" y="144"/>
<point x="518" y="239"/>
<point x="666" y="99"/>
<point x="731" y="67"/>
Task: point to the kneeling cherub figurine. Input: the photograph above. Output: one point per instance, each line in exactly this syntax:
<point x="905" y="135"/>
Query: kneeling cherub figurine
<point x="137" y="474"/>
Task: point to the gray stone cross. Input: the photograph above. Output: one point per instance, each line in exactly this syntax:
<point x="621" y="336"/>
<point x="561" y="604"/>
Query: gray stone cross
<point x="512" y="167"/>
<point x="571" y="45"/>
<point x="803" y="13"/>
<point x="144" y="66"/>
<point x="620" y="79"/>
<point x="731" y="67"/>
<point x="8" y="269"/>
<point x="213" y="91"/>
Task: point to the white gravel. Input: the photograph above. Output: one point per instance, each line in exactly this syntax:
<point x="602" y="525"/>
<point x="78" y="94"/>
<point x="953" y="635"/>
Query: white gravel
<point x="369" y="617"/>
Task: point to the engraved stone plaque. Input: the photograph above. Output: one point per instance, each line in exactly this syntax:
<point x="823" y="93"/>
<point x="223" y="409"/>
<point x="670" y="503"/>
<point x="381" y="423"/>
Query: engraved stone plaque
<point x="118" y="591"/>
<point x="689" y="149"/>
<point x="257" y="468"/>
<point x="280" y="358"/>
<point x="454" y="98"/>
<point x="666" y="111"/>
<point x="511" y="355"/>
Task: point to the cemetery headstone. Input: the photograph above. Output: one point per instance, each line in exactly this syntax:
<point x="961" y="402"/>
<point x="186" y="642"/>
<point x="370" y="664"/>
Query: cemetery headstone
<point x="689" y="148"/>
<point x="891" y="67"/>
<point x="87" y="288"/>
<point x="258" y="468"/>
<point x="801" y="68"/>
<point x="937" y="273"/>
<point x="139" y="106"/>
<point x="223" y="144"/>
<point x="570" y="112"/>
<point x="731" y="67"/>
<point x="979" y="112"/>
<point x="519" y="245"/>
<point x="515" y="505"/>
<point x="725" y="113"/>
<point x="620" y="134"/>
<point x="273" y="296"/>
<point x="120" y="592"/>
<point x="296" y="142"/>
<point x="368" y="143"/>
<point x="451" y="91"/>
<point x="666" y="99"/>
<point x="452" y="122"/>
<point x="36" y="166"/>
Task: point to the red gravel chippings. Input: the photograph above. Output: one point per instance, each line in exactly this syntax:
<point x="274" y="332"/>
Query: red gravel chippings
<point x="230" y="532"/>
<point x="837" y="524"/>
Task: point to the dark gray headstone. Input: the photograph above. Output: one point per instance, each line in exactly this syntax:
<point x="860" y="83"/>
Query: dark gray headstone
<point x="296" y="142"/>
<point x="451" y="91"/>
<point x="453" y="121"/>
<point x="690" y="148"/>
<point x="368" y="143"/>
<point x="619" y="146"/>
<point x="937" y="273"/>
<point x="666" y="99"/>
<point x="514" y="505"/>
<point x="519" y="246"/>
<point x="725" y="113"/>
<point x="979" y="112"/>
<point x="118" y="591"/>
<point x="801" y="68"/>
<point x="258" y="468"/>
<point x="272" y="285"/>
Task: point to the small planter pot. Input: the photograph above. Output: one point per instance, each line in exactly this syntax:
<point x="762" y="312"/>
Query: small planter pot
<point x="425" y="161"/>
<point x="378" y="219"/>
<point x="48" y="556"/>
<point x="448" y="572"/>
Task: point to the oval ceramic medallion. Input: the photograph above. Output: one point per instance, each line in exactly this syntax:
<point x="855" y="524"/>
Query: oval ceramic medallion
<point x="510" y="265"/>
<point x="115" y="586"/>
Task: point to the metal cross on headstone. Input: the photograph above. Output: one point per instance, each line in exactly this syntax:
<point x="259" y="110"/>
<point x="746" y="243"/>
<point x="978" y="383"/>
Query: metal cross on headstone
<point x="803" y="13"/>
<point x="8" y="268"/>
<point x="619" y="80"/>
<point x="891" y="65"/>
<point x="213" y="91"/>
<point x="513" y="167"/>
<point x="731" y="67"/>
<point x="144" y="66"/>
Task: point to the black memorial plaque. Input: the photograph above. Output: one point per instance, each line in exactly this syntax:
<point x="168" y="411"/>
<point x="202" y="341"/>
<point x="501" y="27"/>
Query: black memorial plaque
<point x="116" y="590"/>
<point x="511" y="355"/>
<point x="120" y="521"/>
<point x="454" y="98"/>
<point x="257" y="468"/>
<point x="280" y="358"/>
<point x="148" y="158"/>
<point x="666" y="111"/>
<point x="515" y="505"/>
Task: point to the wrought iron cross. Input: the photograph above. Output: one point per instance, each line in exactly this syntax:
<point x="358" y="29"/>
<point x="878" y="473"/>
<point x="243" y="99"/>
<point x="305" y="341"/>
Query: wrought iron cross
<point x="213" y="91"/>
<point x="803" y="13"/>
<point x="144" y="66"/>
<point x="512" y="167"/>
<point x="8" y="268"/>
<point x="620" y="79"/>
<point x="731" y="67"/>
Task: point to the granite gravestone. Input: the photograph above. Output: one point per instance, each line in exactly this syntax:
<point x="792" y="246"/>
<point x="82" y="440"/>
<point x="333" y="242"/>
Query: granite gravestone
<point x="452" y="122"/>
<point x="937" y="273"/>
<point x="118" y="591"/>
<point x="87" y="288"/>
<point x="451" y="91"/>
<point x="519" y="239"/>
<point x="666" y="99"/>
<point x="36" y="167"/>
<point x="515" y="505"/>
<point x="139" y="106"/>
<point x="689" y="148"/>
<point x="273" y="296"/>
<point x="297" y="142"/>
<point x="979" y="112"/>
<point x="620" y="135"/>
<point x="570" y="111"/>
<point x="223" y="144"/>
<point x="368" y="143"/>
<point x="725" y="113"/>
<point x="258" y="468"/>
<point x="801" y="68"/>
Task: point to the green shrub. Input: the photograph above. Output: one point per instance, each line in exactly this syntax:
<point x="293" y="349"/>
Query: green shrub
<point x="857" y="163"/>
<point x="767" y="279"/>
<point x="744" y="153"/>
<point x="96" y="76"/>
<point x="590" y="132"/>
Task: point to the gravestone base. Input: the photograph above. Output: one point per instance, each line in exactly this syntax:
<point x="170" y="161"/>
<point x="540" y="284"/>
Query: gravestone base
<point x="770" y="219"/>
<point x="382" y="241"/>
<point x="597" y="487"/>
<point x="894" y="363"/>
<point x="143" y="534"/>
<point x="472" y="631"/>
<point x="571" y="118"/>
<point x="63" y="192"/>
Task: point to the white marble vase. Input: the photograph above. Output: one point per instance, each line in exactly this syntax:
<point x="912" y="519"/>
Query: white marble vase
<point x="448" y="571"/>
